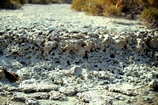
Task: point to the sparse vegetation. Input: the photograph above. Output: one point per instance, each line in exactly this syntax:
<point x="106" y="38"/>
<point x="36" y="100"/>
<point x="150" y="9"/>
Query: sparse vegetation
<point x="111" y="11"/>
<point x="16" y="4"/>
<point x="24" y="1"/>
<point x="79" y="4"/>
<point x="10" y="4"/>
<point x="147" y="9"/>
<point x="93" y="7"/>
<point x="40" y="1"/>
<point x="56" y="1"/>
<point x="149" y="13"/>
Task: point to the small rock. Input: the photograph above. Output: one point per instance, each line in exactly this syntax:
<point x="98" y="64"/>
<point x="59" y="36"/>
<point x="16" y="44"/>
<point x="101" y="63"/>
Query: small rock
<point x="153" y="85"/>
<point x="135" y="73"/>
<point x="70" y="90"/>
<point x="128" y="101"/>
<point x="148" y="99"/>
<point x="154" y="43"/>
<point x="76" y="71"/>
<point x="2" y="32"/>
<point x="19" y="96"/>
<point x="58" y="81"/>
<point x="40" y="95"/>
<point x="54" y="95"/>
<point x="31" y="101"/>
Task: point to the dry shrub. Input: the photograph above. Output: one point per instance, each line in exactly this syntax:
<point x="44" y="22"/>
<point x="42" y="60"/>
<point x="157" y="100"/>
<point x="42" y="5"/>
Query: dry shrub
<point x="24" y="1"/>
<point x="56" y="1"/>
<point x="152" y="2"/>
<point x="10" y="4"/>
<point x="78" y="4"/>
<point x="111" y="11"/>
<point x="44" y="1"/>
<point x="35" y="1"/>
<point x="111" y="7"/>
<point x="96" y="10"/>
<point x="93" y="7"/>
<point x="149" y="14"/>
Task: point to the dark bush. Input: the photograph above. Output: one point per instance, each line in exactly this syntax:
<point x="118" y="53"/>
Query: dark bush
<point x="24" y="1"/>
<point x="44" y="1"/>
<point x="10" y="4"/>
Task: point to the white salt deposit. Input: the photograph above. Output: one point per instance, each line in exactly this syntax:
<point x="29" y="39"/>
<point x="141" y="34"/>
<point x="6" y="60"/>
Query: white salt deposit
<point x="56" y="50"/>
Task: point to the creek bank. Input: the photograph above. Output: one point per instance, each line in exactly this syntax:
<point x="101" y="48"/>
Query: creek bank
<point x="63" y="53"/>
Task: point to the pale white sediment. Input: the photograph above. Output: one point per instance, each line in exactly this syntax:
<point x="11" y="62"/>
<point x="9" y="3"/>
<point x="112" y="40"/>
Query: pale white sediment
<point x="66" y="53"/>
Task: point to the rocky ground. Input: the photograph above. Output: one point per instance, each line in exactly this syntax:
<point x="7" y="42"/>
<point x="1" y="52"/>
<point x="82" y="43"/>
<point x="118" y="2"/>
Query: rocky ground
<point x="65" y="57"/>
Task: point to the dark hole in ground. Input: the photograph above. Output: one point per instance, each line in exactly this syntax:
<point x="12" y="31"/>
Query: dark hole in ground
<point x="99" y="69"/>
<point x="1" y="53"/>
<point x="68" y="63"/>
<point x="77" y="62"/>
<point x="112" y="56"/>
<point x="156" y="88"/>
<point x="15" y="53"/>
<point x="156" y="76"/>
<point x="86" y="56"/>
<point x="138" y="60"/>
<point x="95" y="65"/>
<point x="83" y="45"/>
<point x="57" y="62"/>
<point x="23" y="63"/>
<point x="104" y="50"/>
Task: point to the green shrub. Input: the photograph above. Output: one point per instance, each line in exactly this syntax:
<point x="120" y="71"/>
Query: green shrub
<point x="10" y="4"/>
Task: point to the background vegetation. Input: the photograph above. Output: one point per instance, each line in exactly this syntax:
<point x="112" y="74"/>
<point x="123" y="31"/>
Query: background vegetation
<point x="10" y="4"/>
<point x="143" y="9"/>
<point x="146" y="10"/>
<point x="16" y="4"/>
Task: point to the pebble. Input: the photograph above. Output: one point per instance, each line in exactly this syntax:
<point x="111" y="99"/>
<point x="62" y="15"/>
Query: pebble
<point x="31" y="101"/>
<point x="69" y="91"/>
<point x="55" y="95"/>
<point x="40" y="95"/>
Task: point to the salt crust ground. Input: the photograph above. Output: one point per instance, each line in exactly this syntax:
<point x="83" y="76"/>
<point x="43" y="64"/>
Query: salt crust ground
<point x="84" y="60"/>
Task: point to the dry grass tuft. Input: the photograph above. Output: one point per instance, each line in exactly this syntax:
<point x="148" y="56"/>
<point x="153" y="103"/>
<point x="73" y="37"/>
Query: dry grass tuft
<point x="95" y="7"/>
<point x="111" y="11"/>
<point x="78" y="4"/>
<point x="149" y="14"/>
